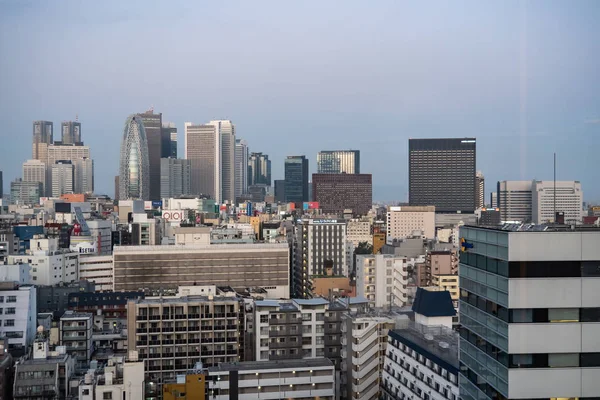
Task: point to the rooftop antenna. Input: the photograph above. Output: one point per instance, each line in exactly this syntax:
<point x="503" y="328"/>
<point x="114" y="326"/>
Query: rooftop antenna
<point x="555" y="187"/>
<point x="76" y="117"/>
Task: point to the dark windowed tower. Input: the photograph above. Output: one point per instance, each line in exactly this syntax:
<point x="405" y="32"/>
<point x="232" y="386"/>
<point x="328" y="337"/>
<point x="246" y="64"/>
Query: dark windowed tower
<point x="441" y="173"/>
<point x="296" y="179"/>
<point x="153" y="130"/>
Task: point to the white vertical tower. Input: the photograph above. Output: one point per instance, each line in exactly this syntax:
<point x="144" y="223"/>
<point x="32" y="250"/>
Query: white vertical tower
<point x="241" y="167"/>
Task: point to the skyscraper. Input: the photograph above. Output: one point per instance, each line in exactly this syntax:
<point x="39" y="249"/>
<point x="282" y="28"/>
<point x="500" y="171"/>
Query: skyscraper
<point x="153" y="130"/>
<point x="338" y="162"/>
<point x="479" y="190"/>
<point x="211" y="151"/>
<point x="1" y="185"/>
<point x="169" y="147"/>
<point x="336" y="193"/>
<point x="259" y="169"/>
<point x="296" y="179"/>
<point x="134" y="174"/>
<point x="441" y="173"/>
<point x="71" y="132"/>
<point x="241" y="167"/>
<point x="42" y="137"/>
<point x="25" y="193"/>
<point x="84" y="175"/>
<point x="62" y="178"/>
<point x="59" y="152"/>
<point x="174" y="177"/>
<point x="35" y="171"/>
<point x="280" y="190"/>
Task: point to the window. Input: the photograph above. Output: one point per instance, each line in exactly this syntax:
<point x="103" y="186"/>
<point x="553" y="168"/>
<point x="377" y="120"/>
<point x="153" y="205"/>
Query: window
<point x="588" y="315"/>
<point x="306" y="317"/>
<point x="9" y="322"/>
<point x="107" y="395"/>
<point x="1" y="299"/>
<point x="264" y="319"/>
<point x="563" y="314"/>
<point x="589" y="359"/>
<point x="11" y="299"/>
<point x="563" y="360"/>
<point x="10" y="310"/>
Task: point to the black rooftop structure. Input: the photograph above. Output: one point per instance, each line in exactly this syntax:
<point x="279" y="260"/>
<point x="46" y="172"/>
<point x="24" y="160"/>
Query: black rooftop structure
<point x="433" y="304"/>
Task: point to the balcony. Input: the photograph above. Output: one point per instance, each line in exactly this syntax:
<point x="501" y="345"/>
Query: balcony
<point x="193" y="316"/>
<point x="167" y="329"/>
<point x="141" y="318"/>
<point x="181" y="329"/>
<point x="166" y="317"/>
<point x="141" y="343"/>
<point x="180" y="316"/>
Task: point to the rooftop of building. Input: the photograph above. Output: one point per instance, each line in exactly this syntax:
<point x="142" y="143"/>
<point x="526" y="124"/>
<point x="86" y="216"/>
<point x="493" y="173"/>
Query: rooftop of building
<point x="528" y="227"/>
<point x="69" y="314"/>
<point x="185" y="299"/>
<point x="438" y="343"/>
<point x="433" y="304"/>
<point x="275" y="364"/>
<point x="213" y="247"/>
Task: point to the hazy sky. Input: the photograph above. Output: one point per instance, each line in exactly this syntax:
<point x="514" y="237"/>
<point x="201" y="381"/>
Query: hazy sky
<point x="299" y="77"/>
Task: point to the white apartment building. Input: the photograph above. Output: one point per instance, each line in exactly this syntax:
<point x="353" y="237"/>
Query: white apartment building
<point x="18" y="273"/>
<point x="382" y="279"/>
<point x="121" y="378"/>
<point x="62" y="175"/>
<point x="529" y="313"/>
<point x="35" y="171"/>
<point x="284" y="379"/>
<point x="18" y="315"/>
<point x="403" y="221"/>
<point x="358" y="231"/>
<point x="569" y="199"/>
<point x="97" y="269"/>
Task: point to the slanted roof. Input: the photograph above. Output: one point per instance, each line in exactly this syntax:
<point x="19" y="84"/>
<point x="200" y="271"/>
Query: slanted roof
<point x="433" y="304"/>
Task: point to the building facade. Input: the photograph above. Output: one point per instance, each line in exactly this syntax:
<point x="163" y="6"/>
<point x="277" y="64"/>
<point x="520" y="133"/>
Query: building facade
<point x="18" y="318"/>
<point x="338" y="192"/>
<point x="296" y="179"/>
<point x="279" y="190"/>
<point x="35" y="171"/>
<point x="382" y="279"/>
<point x="521" y="284"/>
<point x="83" y="175"/>
<point x="359" y="231"/>
<point x="259" y="169"/>
<point x="97" y="269"/>
<point x="153" y="130"/>
<point x="338" y="162"/>
<point x="479" y="190"/>
<point x="568" y="199"/>
<point x="25" y="193"/>
<point x="169" y="131"/>
<point x="71" y="132"/>
<point x="403" y="221"/>
<point x="241" y="167"/>
<point x="76" y="335"/>
<point x="62" y="178"/>
<point x="134" y="167"/>
<point x="175" y="177"/>
<point x="441" y="173"/>
<point x="42" y="137"/>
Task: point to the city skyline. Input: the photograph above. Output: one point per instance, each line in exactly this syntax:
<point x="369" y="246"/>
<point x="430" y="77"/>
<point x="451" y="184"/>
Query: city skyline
<point x="526" y="88"/>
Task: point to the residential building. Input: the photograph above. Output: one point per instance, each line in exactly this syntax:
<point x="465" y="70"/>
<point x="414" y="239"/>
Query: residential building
<point x="121" y="378"/>
<point x="318" y="241"/>
<point x="338" y="162"/>
<point x="338" y="192"/>
<point x="379" y="239"/>
<point x="25" y="193"/>
<point x="546" y="202"/>
<point x="259" y="169"/>
<point x="42" y="137"/>
<point x="494" y="200"/>
<point x="97" y="269"/>
<point x="187" y="330"/>
<point x="442" y="174"/>
<point x="169" y="131"/>
<point x="289" y="379"/>
<point x="154" y="138"/>
<point x="134" y="167"/>
<point x="241" y="167"/>
<point x="6" y="371"/>
<point x="84" y="175"/>
<point x="35" y="171"/>
<point x="382" y="279"/>
<point x="76" y="335"/>
<point x="280" y="190"/>
<point x="71" y="132"/>
<point x="191" y="386"/>
<point x="296" y="179"/>
<point x="62" y="178"/>
<point x="236" y="265"/>
<point x="359" y="231"/>
<point x="523" y="288"/>
<point x="175" y="177"/>
<point x="46" y="374"/>
<point x="18" y="316"/>
<point x="422" y="360"/>
<point x="403" y="221"/>
<point x="479" y="190"/>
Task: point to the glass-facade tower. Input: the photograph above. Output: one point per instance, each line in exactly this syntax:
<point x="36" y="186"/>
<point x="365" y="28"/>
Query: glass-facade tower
<point x="134" y="172"/>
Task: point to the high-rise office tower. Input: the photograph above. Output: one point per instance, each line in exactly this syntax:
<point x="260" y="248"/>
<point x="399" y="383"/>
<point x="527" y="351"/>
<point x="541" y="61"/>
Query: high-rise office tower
<point x="280" y="190"/>
<point x="169" y="147"/>
<point x="62" y="178"/>
<point x="259" y="169"/>
<point x="134" y="174"/>
<point x="479" y="190"/>
<point x="514" y="200"/>
<point x="211" y="150"/>
<point x="35" y="171"/>
<point x="338" y="162"/>
<point x="25" y="193"/>
<point x="174" y="177"/>
<point x="241" y="167"/>
<point x="42" y="137"/>
<point x="59" y="152"/>
<point x="1" y="185"/>
<point x="296" y="179"/>
<point x="154" y="137"/>
<point x="71" y="132"/>
<point x="84" y="175"/>
<point x="336" y="193"/>
<point x="529" y="313"/>
<point x="117" y="184"/>
<point x="441" y="173"/>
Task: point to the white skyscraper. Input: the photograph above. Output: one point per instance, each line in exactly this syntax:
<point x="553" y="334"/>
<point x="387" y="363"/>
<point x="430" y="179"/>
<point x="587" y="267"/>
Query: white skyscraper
<point x="569" y="199"/>
<point x="62" y="178"/>
<point x="35" y="171"/>
<point x="84" y="175"/>
<point x="241" y="167"/>
<point x="211" y="151"/>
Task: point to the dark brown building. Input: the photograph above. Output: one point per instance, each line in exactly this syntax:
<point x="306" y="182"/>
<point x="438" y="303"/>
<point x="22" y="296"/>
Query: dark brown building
<point x="337" y="192"/>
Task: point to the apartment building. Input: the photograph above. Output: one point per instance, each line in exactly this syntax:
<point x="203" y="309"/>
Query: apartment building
<point x="403" y="221"/>
<point x="121" y="378"/>
<point x="239" y="266"/>
<point x="172" y="334"/>
<point x="283" y="379"/>
<point x="448" y="283"/>
<point x="524" y="289"/>
<point x="359" y="231"/>
<point x="97" y="269"/>
<point x="191" y="386"/>
<point x="76" y="336"/>
<point x="17" y="316"/>
<point x="382" y="279"/>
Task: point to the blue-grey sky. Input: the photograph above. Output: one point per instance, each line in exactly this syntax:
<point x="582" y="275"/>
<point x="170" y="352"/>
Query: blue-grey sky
<point x="299" y="77"/>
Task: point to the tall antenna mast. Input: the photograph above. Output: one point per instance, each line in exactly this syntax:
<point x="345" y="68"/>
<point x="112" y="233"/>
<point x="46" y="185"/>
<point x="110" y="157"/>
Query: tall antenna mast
<point x="554" y="187"/>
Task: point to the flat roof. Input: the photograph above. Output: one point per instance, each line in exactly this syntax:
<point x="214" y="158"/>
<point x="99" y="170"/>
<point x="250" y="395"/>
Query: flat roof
<point x="274" y="364"/>
<point x="528" y="227"/>
<point x="183" y="299"/>
<point x="317" y="301"/>
<point x="214" y="247"/>
<point x="76" y="315"/>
